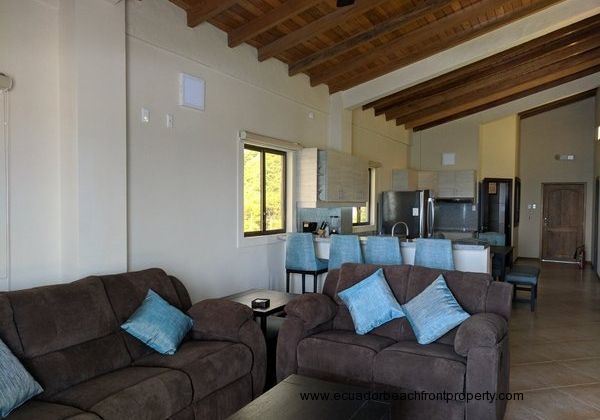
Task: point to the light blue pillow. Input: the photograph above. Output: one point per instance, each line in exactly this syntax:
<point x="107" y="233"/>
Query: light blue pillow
<point x="17" y="386"/>
<point x="434" y="312"/>
<point x="158" y="324"/>
<point x="371" y="303"/>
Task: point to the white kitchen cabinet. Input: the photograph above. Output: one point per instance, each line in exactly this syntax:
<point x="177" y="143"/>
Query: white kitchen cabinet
<point x="456" y="184"/>
<point x="428" y="180"/>
<point x="328" y="178"/>
<point x="405" y="180"/>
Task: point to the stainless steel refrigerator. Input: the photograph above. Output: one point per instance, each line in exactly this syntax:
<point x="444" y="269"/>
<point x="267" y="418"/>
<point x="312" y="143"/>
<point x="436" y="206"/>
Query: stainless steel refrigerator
<point x="415" y="208"/>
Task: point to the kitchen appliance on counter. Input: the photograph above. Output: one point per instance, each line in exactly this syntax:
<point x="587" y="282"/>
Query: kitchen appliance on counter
<point x="309" y="227"/>
<point x="415" y="208"/>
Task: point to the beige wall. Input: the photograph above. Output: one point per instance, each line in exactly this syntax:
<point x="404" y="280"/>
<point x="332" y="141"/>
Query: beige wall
<point x="383" y="141"/>
<point x="460" y="137"/>
<point x="597" y="159"/>
<point x="499" y="148"/>
<point x="565" y="130"/>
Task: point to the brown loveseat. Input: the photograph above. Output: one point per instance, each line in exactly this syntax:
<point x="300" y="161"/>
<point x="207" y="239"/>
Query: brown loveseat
<point x="317" y="339"/>
<point x="69" y="339"/>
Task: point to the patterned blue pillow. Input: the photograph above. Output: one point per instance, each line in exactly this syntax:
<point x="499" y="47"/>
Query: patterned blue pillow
<point x="17" y="386"/>
<point x="371" y="303"/>
<point x="158" y="324"/>
<point x="434" y="312"/>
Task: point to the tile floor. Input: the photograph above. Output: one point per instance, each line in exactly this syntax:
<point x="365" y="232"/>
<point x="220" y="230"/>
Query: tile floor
<point x="555" y="351"/>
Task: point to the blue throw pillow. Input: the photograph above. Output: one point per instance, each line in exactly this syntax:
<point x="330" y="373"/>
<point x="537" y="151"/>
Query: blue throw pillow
<point x="371" y="303"/>
<point x="17" y="386"/>
<point x="158" y="324"/>
<point x="434" y="312"/>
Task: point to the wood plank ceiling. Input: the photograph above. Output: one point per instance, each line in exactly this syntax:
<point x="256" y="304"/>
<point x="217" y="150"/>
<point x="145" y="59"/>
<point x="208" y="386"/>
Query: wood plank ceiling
<point x="553" y="59"/>
<point x="346" y="46"/>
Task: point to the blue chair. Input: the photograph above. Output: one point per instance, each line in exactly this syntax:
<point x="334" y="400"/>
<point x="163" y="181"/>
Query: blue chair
<point x="343" y="249"/>
<point x="383" y="250"/>
<point x="434" y="253"/>
<point x="524" y="278"/>
<point x="300" y="258"/>
<point x="493" y="238"/>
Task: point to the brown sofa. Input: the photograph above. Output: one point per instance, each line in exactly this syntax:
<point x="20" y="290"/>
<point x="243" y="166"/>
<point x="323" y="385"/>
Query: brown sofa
<point x="69" y="339"/>
<point x="317" y="339"/>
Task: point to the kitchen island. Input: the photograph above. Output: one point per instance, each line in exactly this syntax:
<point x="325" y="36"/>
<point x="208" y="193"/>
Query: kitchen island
<point x="469" y="257"/>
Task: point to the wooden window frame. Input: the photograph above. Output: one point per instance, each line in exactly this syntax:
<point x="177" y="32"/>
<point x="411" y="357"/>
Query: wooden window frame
<point x="263" y="191"/>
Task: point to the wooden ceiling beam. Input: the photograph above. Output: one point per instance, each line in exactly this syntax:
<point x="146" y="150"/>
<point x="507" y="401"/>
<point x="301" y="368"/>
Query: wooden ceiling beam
<point x="505" y="76"/>
<point x="316" y="27"/>
<point x="207" y="9"/>
<point x="269" y="20"/>
<point x="492" y="64"/>
<point x="424" y="8"/>
<point x="330" y="73"/>
<point x="557" y="104"/>
<point x="508" y="99"/>
<point x="590" y="60"/>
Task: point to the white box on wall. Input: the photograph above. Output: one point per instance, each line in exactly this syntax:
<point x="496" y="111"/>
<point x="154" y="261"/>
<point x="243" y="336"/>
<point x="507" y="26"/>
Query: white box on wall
<point x="448" y="159"/>
<point x="191" y="91"/>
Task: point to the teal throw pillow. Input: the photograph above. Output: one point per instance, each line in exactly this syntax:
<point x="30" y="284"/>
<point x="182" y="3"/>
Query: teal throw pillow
<point x="17" y="386"/>
<point x="158" y="324"/>
<point x="371" y="303"/>
<point x="434" y="312"/>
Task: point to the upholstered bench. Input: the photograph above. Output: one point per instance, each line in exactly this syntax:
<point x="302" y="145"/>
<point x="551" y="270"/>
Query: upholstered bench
<point x="524" y="278"/>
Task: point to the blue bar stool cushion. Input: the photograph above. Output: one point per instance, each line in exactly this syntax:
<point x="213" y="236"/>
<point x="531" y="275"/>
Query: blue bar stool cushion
<point x="300" y="258"/>
<point x="344" y="249"/>
<point x="434" y="253"/>
<point x="383" y="250"/>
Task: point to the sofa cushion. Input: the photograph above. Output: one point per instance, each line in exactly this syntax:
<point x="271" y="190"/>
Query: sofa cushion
<point x="62" y="369"/>
<point x="126" y="292"/>
<point x="8" y="330"/>
<point x="432" y="368"/>
<point x="210" y="365"/>
<point x="40" y="410"/>
<point x="131" y="393"/>
<point x="56" y="317"/>
<point x="371" y="303"/>
<point x="340" y="354"/>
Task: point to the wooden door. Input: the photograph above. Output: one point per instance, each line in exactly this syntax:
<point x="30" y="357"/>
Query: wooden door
<point x="563" y="220"/>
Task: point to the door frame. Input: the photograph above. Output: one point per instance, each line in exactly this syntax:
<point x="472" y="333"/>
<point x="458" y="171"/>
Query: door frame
<point x="584" y="184"/>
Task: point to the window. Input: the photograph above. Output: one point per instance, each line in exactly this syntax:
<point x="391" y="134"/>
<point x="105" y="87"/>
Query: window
<point x="264" y="191"/>
<point x="361" y="215"/>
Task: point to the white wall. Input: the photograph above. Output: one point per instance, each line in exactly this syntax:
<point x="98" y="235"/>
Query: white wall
<point x="565" y="130"/>
<point x="28" y="52"/>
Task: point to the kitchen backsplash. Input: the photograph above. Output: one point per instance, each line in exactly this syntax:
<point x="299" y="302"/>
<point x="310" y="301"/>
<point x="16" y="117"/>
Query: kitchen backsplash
<point x="456" y="217"/>
<point x="320" y="215"/>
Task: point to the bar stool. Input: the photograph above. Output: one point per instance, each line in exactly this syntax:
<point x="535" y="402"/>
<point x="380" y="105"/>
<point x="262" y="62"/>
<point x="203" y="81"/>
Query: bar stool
<point x="343" y="249"/>
<point x="383" y="250"/>
<point x="434" y="253"/>
<point x="300" y="258"/>
<point x="524" y="278"/>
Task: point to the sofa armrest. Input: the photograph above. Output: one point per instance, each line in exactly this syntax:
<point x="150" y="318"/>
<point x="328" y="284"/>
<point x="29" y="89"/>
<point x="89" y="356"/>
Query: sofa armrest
<point x="313" y="309"/>
<point x="218" y="319"/>
<point x="480" y="330"/>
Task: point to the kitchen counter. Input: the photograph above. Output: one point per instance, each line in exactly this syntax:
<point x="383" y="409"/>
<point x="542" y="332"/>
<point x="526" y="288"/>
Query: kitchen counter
<point x="468" y="255"/>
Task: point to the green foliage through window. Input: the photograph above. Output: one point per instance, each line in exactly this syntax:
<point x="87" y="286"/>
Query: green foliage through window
<point x="264" y="191"/>
<point x="361" y="215"/>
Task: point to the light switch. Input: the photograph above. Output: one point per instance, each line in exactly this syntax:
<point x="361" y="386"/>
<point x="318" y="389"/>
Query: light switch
<point x="145" y="115"/>
<point x="169" y="120"/>
<point x="415" y="211"/>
